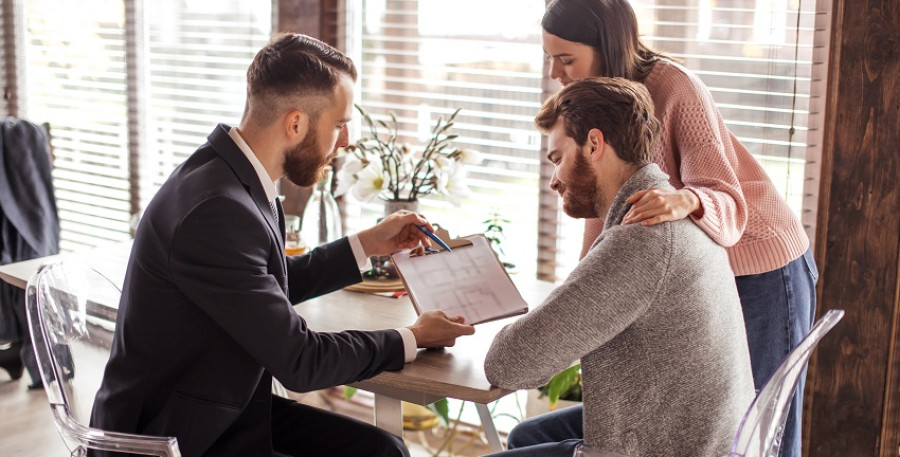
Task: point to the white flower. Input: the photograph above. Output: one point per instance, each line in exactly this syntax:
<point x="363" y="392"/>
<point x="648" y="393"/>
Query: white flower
<point x="443" y="163"/>
<point x="452" y="184"/>
<point x="369" y="182"/>
<point x="468" y="156"/>
<point x="346" y="176"/>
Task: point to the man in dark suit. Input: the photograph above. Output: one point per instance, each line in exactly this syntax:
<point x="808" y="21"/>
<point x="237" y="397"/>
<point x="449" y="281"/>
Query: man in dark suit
<point x="205" y="320"/>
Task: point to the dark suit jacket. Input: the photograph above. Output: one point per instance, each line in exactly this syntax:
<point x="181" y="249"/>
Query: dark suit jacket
<point x="205" y="318"/>
<point x="29" y="225"/>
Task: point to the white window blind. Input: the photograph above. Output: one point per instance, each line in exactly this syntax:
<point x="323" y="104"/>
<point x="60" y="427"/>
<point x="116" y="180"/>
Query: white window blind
<point x="756" y="58"/>
<point x="76" y="81"/>
<point x="192" y="56"/>
<point x="422" y="60"/>
<point x="199" y="51"/>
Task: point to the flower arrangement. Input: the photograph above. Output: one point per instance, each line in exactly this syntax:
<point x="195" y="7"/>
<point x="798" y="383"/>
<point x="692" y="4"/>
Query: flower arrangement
<point x="379" y="166"/>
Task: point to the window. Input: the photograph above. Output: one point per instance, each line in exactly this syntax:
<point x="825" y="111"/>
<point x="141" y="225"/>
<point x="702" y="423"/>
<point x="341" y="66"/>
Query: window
<point x="199" y="52"/>
<point x="421" y="61"/>
<point x="105" y="110"/>
<point x="756" y="58"/>
<point x="75" y="69"/>
<point x="418" y="59"/>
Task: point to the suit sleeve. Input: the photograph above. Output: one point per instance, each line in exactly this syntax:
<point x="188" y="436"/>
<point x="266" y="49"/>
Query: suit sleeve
<point x="324" y="269"/>
<point x="220" y="260"/>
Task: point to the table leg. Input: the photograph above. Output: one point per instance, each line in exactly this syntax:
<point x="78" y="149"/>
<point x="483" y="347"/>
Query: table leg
<point x="388" y="415"/>
<point x="490" y="430"/>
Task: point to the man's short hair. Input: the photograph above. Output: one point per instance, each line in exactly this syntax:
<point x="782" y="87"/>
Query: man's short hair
<point x="619" y="108"/>
<point x="290" y="67"/>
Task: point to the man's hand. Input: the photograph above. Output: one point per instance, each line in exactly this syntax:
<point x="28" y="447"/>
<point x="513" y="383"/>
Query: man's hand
<point x="654" y="205"/>
<point x="395" y="233"/>
<point x="436" y="329"/>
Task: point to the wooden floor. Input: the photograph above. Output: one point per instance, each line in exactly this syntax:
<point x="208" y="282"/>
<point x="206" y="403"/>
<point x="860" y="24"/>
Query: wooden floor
<point x="26" y="426"/>
<point x="27" y="429"/>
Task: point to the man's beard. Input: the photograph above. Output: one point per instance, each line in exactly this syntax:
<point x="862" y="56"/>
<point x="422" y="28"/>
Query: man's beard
<point x="303" y="165"/>
<point x="581" y="195"/>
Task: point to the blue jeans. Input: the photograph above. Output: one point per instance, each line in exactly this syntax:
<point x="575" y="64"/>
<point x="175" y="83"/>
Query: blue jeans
<point x="779" y="308"/>
<point x="554" y="434"/>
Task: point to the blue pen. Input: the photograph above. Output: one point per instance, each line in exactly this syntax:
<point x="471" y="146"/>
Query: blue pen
<point x="434" y="237"/>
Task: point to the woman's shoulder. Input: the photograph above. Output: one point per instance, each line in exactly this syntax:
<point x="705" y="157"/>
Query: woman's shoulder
<point x="670" y="74"/>
<point x="671" y="83"/>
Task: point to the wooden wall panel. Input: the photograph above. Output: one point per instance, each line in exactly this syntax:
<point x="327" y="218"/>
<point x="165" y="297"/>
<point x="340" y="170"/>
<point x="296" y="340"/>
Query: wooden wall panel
<point x="317" y="18"/>
<point x="853" y="394"/>
<point x="298" y="16"/>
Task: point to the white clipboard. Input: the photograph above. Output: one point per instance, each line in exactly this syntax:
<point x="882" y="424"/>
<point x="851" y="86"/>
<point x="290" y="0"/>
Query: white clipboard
<point x="469" y="281"/>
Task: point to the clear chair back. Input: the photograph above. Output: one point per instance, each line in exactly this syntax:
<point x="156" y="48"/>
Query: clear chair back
<point x="761" y="429"/>
<point x="69" y="306"/>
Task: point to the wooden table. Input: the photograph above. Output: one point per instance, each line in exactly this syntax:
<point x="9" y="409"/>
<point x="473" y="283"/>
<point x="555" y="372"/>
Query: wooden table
<point x="455" y="372"/>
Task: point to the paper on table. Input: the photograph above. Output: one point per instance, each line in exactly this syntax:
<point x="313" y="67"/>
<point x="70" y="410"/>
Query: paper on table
<point x="468" y="281"/>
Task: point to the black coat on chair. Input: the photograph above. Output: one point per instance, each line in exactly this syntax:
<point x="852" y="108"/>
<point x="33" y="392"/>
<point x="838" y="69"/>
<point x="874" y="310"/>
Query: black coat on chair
<point x="29" y="224"/>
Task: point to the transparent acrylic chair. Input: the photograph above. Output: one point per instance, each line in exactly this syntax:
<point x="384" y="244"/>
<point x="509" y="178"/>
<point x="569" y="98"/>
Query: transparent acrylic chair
<point x="761" y="429"/>
<point x="72" y="347"/>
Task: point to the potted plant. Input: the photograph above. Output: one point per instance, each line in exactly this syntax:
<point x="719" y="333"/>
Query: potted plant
<point x="563" y="389"/>
<point x="378" y="165"/>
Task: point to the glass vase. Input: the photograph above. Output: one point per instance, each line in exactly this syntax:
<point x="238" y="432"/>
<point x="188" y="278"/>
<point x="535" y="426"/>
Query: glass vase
<point x="392" y="206"/>
<point x="321" y="222"/>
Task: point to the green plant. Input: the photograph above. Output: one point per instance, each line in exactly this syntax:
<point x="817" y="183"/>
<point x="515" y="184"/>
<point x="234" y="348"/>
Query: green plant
<point x="565" y="385"/>
<point x="493" y="231"/>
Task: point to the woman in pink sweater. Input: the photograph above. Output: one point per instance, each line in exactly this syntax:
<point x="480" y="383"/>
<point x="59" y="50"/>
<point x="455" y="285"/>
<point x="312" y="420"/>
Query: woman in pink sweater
<point x="718" y="183"/>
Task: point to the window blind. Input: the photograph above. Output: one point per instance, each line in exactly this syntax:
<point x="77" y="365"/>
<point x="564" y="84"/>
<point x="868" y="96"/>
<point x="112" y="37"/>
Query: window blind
<point x="199" y="52"/>
<point x="422" y="60"/>
<point x="76" y="81"/>
<point x="756" y="58"/>
<point x="130" y="99"/>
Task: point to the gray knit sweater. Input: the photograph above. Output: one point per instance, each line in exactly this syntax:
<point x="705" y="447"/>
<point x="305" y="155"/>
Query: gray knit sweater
<point x="654" y="316"/>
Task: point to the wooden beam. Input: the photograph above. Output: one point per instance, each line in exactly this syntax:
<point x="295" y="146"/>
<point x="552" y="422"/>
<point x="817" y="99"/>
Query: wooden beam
<point x="299" y="16"/>
<point x="317" y="18"/>
<point x="853" y="393"/>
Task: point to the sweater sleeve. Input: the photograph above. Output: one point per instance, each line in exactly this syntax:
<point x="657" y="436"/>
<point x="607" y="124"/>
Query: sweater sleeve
<point x="701" y="149"/>
<point x="609" y="289"/>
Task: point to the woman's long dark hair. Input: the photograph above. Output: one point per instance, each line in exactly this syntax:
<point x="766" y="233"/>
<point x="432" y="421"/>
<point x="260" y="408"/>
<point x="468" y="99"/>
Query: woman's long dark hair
<point x="608" y="26"/>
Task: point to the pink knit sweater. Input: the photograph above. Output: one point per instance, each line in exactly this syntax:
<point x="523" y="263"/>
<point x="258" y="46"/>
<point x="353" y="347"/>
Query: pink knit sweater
<point x="742" y="211"/>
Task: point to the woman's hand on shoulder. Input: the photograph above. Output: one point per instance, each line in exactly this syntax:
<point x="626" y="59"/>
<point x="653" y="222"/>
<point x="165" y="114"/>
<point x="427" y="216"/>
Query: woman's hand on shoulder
<point x="655" y="205"/>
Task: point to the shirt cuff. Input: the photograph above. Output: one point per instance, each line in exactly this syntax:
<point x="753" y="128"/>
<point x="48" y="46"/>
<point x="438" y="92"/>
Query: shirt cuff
<point x="362" y="261"/>
<point x="410" y="348"/>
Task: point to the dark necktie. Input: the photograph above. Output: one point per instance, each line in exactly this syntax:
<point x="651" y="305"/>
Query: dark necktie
<point x="279" y="217"/>
<point x="274" y="209"/>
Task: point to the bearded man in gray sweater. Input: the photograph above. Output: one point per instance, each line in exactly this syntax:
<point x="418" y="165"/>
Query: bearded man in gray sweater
<point x="652" y="312"/>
